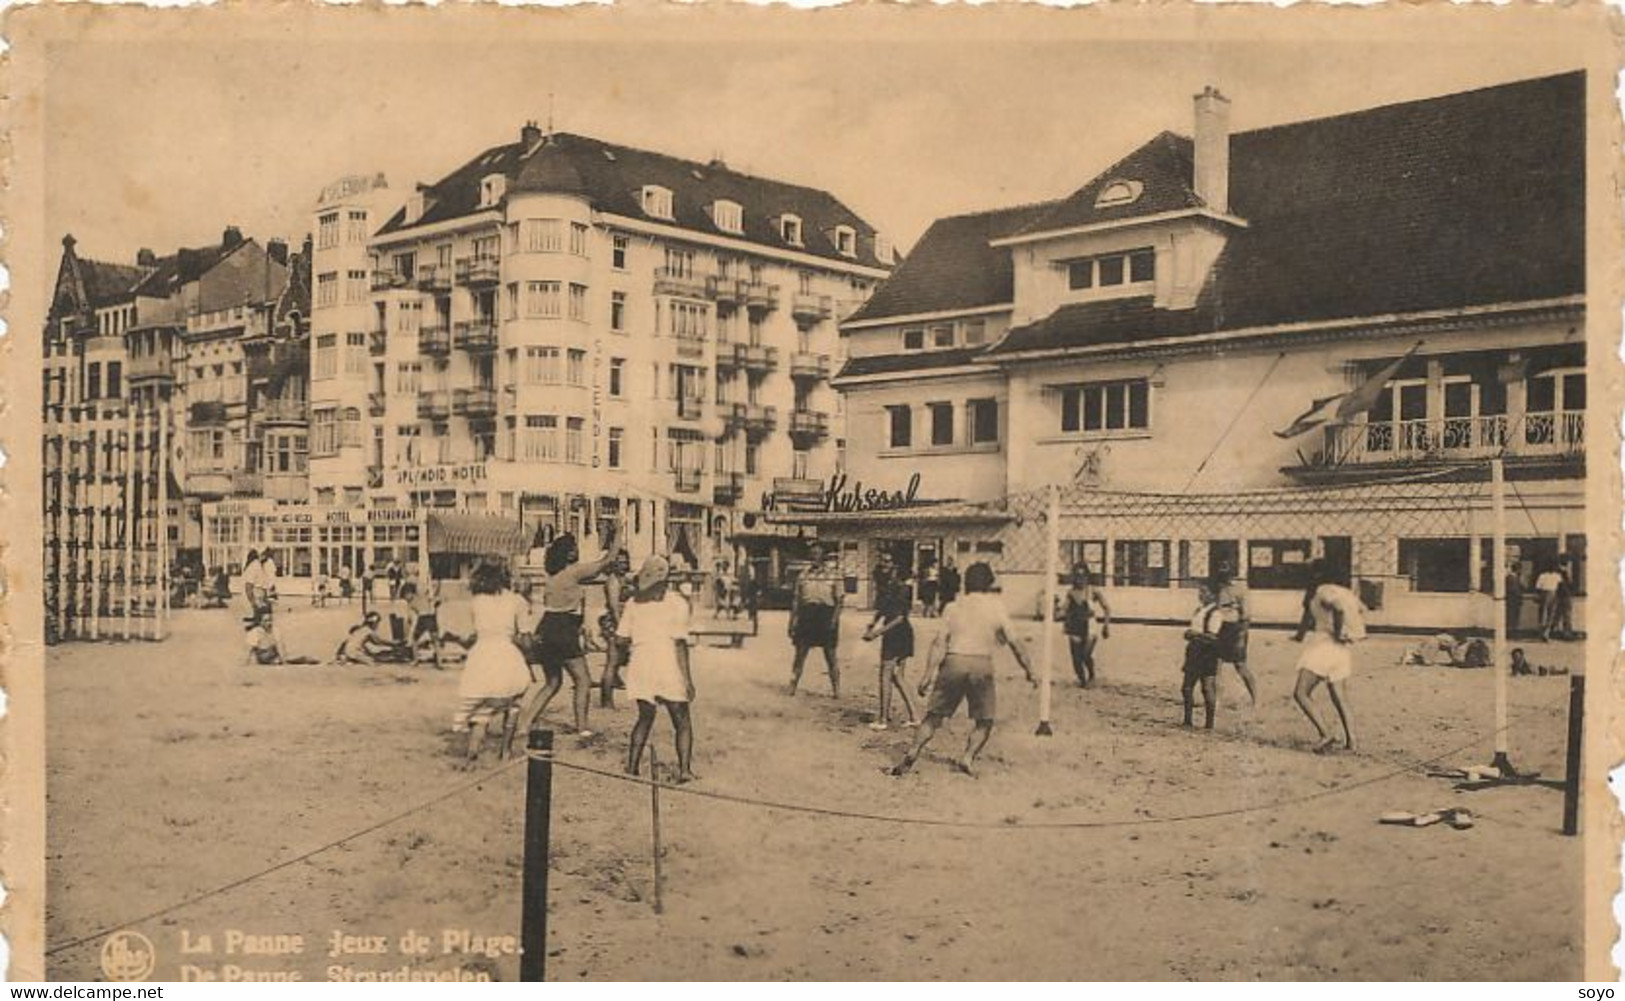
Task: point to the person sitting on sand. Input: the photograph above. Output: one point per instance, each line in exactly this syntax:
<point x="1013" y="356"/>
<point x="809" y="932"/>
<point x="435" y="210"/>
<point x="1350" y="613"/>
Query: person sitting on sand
<point x="654" y="625"/>
<point x="1336" y="623"/>
<point x="494" y="674"/>
<point x="961" y="660"/>
<point x="364" y="645"/>
<point x="423" y="602"/>
<point x="896" y="635"/>
<point x="264" y="645"/>
<point x="1202" y="652"/>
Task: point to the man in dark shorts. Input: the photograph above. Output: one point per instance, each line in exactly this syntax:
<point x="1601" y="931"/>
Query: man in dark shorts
<point x="1202" y="655"/>
<point x="815" y="612"/>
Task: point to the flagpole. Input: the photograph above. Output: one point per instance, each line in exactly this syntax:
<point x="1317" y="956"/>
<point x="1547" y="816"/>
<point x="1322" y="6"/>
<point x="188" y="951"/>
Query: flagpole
<point x="1052" y="540"/>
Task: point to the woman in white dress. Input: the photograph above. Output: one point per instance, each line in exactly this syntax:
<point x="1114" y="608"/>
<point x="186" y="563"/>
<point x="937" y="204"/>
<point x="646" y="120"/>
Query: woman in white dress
<point x="1333" y="623"/>
<point x="655" y="625"/>
<point x="494" y="674"/>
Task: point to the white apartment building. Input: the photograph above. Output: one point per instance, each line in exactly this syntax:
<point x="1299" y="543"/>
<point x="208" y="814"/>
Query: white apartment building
<point x="563" y="326"/>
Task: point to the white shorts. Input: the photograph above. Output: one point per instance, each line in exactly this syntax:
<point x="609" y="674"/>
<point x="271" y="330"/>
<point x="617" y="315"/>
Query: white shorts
<point x="1327" y="658"/>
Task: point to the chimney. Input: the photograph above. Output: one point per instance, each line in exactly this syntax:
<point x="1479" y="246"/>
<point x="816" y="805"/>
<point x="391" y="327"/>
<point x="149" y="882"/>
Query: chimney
<point x="1212" y="166"/>
<point x="231" y="237"/>
<point x="530" y="135"/>
<point x="276" y="249"/>
<point x="145" y="258"/>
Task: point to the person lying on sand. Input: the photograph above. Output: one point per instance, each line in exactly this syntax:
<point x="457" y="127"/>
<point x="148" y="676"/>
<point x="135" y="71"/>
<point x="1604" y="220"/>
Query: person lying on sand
<point x="961" y="661"/>
<point x="655" y="625"/>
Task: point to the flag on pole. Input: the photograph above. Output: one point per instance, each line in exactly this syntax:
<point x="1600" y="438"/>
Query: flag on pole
<point x="1341" y="408"/>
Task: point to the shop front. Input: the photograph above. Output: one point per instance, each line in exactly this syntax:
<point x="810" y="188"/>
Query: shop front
<point x="306" y="541"/>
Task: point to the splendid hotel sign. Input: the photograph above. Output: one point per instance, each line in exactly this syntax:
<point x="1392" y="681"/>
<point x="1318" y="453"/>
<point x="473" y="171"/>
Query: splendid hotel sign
<point x="431" y="476"/>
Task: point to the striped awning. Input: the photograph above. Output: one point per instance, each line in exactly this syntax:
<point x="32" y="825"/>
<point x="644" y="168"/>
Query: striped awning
<point x="471" y="534"/>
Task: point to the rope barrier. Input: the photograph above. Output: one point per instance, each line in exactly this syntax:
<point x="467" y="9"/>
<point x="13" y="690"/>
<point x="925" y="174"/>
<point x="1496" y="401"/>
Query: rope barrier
<point x="203" y="895"/>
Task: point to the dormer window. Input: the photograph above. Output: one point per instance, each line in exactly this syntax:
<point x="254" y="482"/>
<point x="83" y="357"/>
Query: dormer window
<point x="1118" y="193"/>
<point x="414" y="207"/>
<point x="884" y="253"/>
<point x="657" y="201"/>
<point x="846" y="241"/>
<point x="790" y="229"/>
<point x="492" y="188"/>
<point x="728" y="216"/>
<point x="1129" y="267"/>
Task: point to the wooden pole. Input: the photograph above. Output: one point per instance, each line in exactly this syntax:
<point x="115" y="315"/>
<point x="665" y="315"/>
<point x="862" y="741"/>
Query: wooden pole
<point x="94" y="532"/>
<point x="1052" y="545"/>
<point x="1571" y="772"/>
<point x="654" y="818"/>
<point x="129" y="515"/>
<point x="538" y="819"/>
<point x="1499" y="658"/>
<point x="161" y="609"/>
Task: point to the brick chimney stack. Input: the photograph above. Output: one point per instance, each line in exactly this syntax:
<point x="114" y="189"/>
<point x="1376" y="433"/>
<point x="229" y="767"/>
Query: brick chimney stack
<point x="530" y="135"/>
<point x="1212" y="166"/>
<point x="231" y="237"/>
<point x="146" y="258"/>
<point x="276" y="249"/>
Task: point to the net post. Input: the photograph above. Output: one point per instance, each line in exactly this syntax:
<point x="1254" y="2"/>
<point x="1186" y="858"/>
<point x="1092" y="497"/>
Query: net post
<point x="1052" y="542"/>
<point x="538" y="820"/>
<point x="1502" y="668"/>
<point x="1571" y="771"/>
<point x="654" y="822"/>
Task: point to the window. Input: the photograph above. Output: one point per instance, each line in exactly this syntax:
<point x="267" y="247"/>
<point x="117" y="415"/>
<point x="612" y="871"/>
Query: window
<point x="804" y="282"/>
<point x="753" y="458"/>
<point x="324" y="432"/>
<point x="942" y="423"/>
<point x="327" y="356"/>
<point x="790" y="229"/>
<point x="327" y="289"/>
<point x="576" y="367"/>
<point x="572" y="439"/>
<point x="492" y="188"/>
<point x="114" y="377"/>
<point x="540" y="442"/>
<point x="983" y="419"/>
<point x="541" y="236"/>
<point x="679" y="263"/>
<point x="324" y="495"/>
<point x="511" y="311"/>
<point x="913" y="340"/>
<point x="617" y="377"/>
<point x="1279" y="564"/>
<point x="689" y="320"/>
<point x="541" y="366"/>
<point x="406" y="265"/>
<point x="355" y="286"/>
<point x="616" y="436"/>
<point x="798" y="464"/>
<point x="1436" y="565"/>
<point x="900" y="421"/>
<point x="578" y="301"/>
<point x="408" y="378"/>
<point x="542" y="299"/>
<point x="846" y="241"/>
<point x="93" y="381"/>
<point x="728" y="216"/>
<point x="356" y="232"/>
<point x="578" y="239"/>
<point x="408" y="317"/>
<point x="942" y="336"/>
<point x="1118" y="193"/>
<point x="975" y="332"/>
<point x="1106" y="406"/>
<point x="1140" y="563"/>
<point x="1109" y="270"/>
<point x="617" y="252"/>
<point x="657" y="201"/>
<point x="884" y="252"/>
<point x="617" y="312"/>
<point x="355" y="353"/>
<point x="327" y="230"/>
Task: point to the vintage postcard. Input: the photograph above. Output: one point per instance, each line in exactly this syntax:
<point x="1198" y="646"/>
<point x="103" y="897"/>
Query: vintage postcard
<point x="884" y="493"/>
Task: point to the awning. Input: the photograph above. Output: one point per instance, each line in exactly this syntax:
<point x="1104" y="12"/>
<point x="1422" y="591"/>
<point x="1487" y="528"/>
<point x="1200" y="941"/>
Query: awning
<point x="473" y="534"/>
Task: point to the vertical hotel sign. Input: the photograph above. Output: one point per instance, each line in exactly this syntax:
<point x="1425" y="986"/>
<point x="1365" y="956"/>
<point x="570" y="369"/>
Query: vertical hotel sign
<point x="597" y="403"/>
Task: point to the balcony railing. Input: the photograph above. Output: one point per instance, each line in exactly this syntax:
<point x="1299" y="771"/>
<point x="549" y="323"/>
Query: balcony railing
<point x="376" y="404"/>
<point x="761" y="297"/>
<point x="805" y="365"/>
<point x="477" y="335"/>
<point x="728" y="489"/>
<point x="434" y="406"/>
<point x="377" y="343"/>
<point x="676" y="281"/>
<point x="812" y="424"/>
<point x="759" y="358"/>
<point x="150" y="368"/>
<point x="1453" y="438"/>
<point x="689" y="346"/>
<point x="688" y="480"/>
<point x="434" y="341"/>
<point x="479" y="403"/>
<point x="811" y="308"/>
<point x="726" y="291"/>
<point x="280" y="411"/>
<point x="385" y="281"/>
<point x="755" y="420"/>
<point x="482" y="270"/>
<point x="434" y="278"/>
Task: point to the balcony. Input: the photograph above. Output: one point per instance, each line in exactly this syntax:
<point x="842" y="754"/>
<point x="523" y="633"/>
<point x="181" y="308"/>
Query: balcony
<point x="375" y="477"/>
<point x="689" y="346"/>
<point x="149" y="368"/>
<point x="434" y="341"/>
<point x="729" y="489"/>
<point x="726" y="291"/>
<point x="280" y="411"/>
<point x="687" y="480"/>
<point x="761" y="297"/>
<point x="807" y="307"/>
<point x="376" y="404"/>
<point x="484" y="270"/>
<point x="377" y="343"/>
<point x="756" y="358"/>
<point x="675" y="281"/>
<point x="689" y="410"/>
<point x="1451" y="439"/>
<point x="434" y="406"/>
<point x="753" y="419"/>
<point x="207" y="413"/>
<point x="389" y="281"/>
<point x="434" y="278"/>
<point x="477" y="336"/>
<point x="479" y="403"/>
<point x="804" y="365"/>
<point x="809" y="425"/>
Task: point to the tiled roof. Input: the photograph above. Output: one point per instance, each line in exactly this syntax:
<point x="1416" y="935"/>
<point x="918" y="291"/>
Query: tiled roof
<point x="952" y="267"/>
<point x="613" y="176"/>
<point x="913" y="361"/>
<point x="1162" y="167"/>
<point x="105" y="283"/>
<point x="174" y="270"/>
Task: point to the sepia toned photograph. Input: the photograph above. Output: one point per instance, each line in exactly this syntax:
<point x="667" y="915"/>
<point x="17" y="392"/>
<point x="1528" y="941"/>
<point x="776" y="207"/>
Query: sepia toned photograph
<point x="883" y="494"/>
